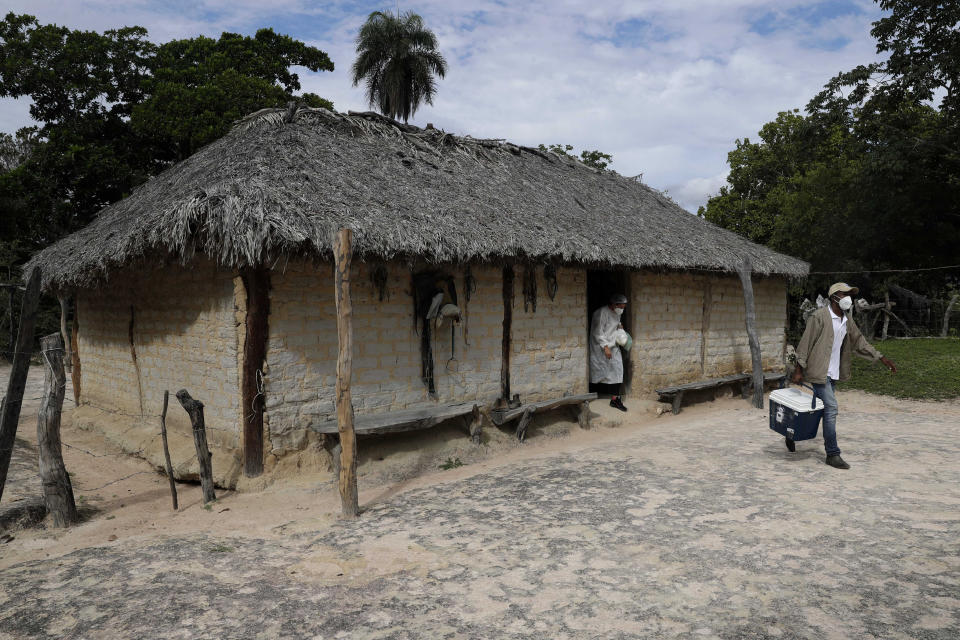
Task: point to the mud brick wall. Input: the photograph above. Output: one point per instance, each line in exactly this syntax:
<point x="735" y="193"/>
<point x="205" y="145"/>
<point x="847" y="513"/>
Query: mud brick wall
<point x="184" y="335"/>
<point x="549" y="355"/>
<point x="689" y="327"/>
<point x="302" y="351"/>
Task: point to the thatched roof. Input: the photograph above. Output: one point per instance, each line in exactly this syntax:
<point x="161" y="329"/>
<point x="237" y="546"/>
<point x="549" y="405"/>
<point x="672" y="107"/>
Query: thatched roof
<point x="283" y="181"/>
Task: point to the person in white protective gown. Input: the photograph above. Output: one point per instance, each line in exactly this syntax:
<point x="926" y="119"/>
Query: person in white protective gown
<point x="606" y="359"/>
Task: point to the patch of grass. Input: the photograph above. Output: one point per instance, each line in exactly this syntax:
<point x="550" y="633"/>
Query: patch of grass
<point x="451" y="463"/>
<point x="220" y="548"/>
<point x="927" y="369"/>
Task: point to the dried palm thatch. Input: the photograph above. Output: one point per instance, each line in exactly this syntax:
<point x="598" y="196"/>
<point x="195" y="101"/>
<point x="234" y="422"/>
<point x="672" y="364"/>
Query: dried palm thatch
<point x="284" y="180"/>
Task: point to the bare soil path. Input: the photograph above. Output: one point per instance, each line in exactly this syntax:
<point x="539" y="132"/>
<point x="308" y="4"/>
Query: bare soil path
<point x="700" y="525"/>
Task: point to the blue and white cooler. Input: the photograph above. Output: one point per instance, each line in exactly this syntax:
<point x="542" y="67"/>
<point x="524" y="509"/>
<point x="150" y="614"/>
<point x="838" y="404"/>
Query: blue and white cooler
<point x="795" y="415"/>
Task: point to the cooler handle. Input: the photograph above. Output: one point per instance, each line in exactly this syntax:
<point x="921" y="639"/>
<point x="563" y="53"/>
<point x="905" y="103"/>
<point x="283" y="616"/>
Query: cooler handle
<point x="813" y="400"/>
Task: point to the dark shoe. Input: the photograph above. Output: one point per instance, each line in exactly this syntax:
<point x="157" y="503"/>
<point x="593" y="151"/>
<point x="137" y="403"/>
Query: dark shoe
<point x="837" y="462"/>
<point x="791" y="445"/>
<point x="617" y="403"/>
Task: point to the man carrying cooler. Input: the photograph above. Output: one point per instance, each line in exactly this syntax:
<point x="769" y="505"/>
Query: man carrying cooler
<point x="823" y="357"/>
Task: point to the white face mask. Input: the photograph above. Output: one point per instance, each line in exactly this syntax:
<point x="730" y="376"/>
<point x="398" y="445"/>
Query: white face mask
<point x="618" y="311"/>
<point x="845" y="303"/>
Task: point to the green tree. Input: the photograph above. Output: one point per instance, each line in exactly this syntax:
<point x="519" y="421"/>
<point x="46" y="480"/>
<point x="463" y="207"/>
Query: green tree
<point x="868" y="178"/>
<point x="595" y="159"/>
<point x="115" y="109"/>
<point x="397" y="59"/>
<point x="198" y="87"/>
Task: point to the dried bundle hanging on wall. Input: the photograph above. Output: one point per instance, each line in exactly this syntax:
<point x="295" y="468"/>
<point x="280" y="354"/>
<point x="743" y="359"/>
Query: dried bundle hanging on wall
<point x="378" y="278"/>
<point x="550" y="278"/>
<point x="530" y="287"/>
<point x="432" y="290"/>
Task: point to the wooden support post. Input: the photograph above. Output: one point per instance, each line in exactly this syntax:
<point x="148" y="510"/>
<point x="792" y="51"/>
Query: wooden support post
<point x="677" y="401"/>
<point x="476" y="424"/>
<point x="256" y="281"/>
<point x="64" y="312"/>
<point x="522" y="425"/>
<point x="751" y="321"/>
<point x="75" y="354"/>
<point x="583" y="415"/>
<point x="10" y="409"/>
<point x="194" y="409"/>
<point x="946" y="317"/>
<point x="57" y="490"/>
<point x="505" y="340"/>
<point x="886" y="316"/>
<point x="343" y="257"/>
<point x="166" y="449"/>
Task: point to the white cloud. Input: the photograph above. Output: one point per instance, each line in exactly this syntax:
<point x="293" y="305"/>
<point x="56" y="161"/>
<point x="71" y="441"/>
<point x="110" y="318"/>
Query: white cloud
<point x="667" y="92"/>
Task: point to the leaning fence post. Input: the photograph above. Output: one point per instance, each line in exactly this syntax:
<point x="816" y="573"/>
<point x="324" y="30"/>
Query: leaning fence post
<point x="755" y="357"/>
<point x="10" y="409"/>
<point x="194" y="409"/>
<point x="57" y="489"/>
<point x="946" y="316"/>
<point x="166" y="449"/>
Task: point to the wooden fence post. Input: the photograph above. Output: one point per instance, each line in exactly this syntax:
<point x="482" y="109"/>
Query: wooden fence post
<point x="755" y="356"/>
<point x="10" y="409"/>
<point x="166" y="449"/>
<point x="194" y="409"/>
<point x="57" y="489"/>
<point x="946" y="317"/>
<point x="343" y="256"/>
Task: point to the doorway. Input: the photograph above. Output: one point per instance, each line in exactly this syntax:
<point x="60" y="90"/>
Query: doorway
<point x="601" y="284"/>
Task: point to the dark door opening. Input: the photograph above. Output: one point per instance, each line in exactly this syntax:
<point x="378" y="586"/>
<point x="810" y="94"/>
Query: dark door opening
<point x="601" y="284"/>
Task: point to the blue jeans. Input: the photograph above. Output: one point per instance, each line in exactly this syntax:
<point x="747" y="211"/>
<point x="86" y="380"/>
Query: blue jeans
<point x="825" y="393"/>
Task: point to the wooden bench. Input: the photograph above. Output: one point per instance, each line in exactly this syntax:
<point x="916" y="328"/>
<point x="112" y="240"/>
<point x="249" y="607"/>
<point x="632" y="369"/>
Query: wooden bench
<point x="674" y="395"/>
<point x="409" y="420"/>
<point x="526" y="411"/>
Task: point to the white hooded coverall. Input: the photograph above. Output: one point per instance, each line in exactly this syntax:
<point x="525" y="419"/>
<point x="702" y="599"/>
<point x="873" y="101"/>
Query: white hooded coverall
<point x="603" y="328"/>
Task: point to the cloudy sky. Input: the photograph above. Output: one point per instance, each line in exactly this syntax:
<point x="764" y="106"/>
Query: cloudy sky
<point x="664" y="86"/>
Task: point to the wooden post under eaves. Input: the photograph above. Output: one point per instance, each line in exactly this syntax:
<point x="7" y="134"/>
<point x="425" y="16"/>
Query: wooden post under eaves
<point x="505" y="340"/>
<point x="64" y="310"/>
<point x="74" y="353"/>
<point x="256" y="282"/>
<point x="57" y="489"/>
<point x="751" y="318"/>
<point x="17" y="383"/>
<point x="343" y="256"/>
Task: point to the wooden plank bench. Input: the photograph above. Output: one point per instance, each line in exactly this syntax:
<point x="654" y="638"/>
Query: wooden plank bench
<point x="674" y="394"/>
<point x="409" y="420"/>
<point x="525" y="412"/>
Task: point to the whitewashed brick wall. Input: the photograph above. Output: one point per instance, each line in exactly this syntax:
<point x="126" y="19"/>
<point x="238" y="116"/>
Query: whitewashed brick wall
<point x="549" y="355"/>
<point x="301" y="358"/>
<point x="670" y="346"/>
<point x="188" y="332"/>
<point x="184" y="335"/>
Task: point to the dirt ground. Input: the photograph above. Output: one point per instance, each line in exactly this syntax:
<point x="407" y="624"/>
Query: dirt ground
<point x="700" y="525"/>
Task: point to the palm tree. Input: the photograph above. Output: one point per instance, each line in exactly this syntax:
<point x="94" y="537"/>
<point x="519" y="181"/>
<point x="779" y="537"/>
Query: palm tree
<point x="397" y="58"/>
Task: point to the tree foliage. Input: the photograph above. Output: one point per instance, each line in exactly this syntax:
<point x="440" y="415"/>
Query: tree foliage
<point x="114" y="109"/>
<point x="397" y="60"/>
<point x="868" y="178"/>
<point x="595" y="159"/>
